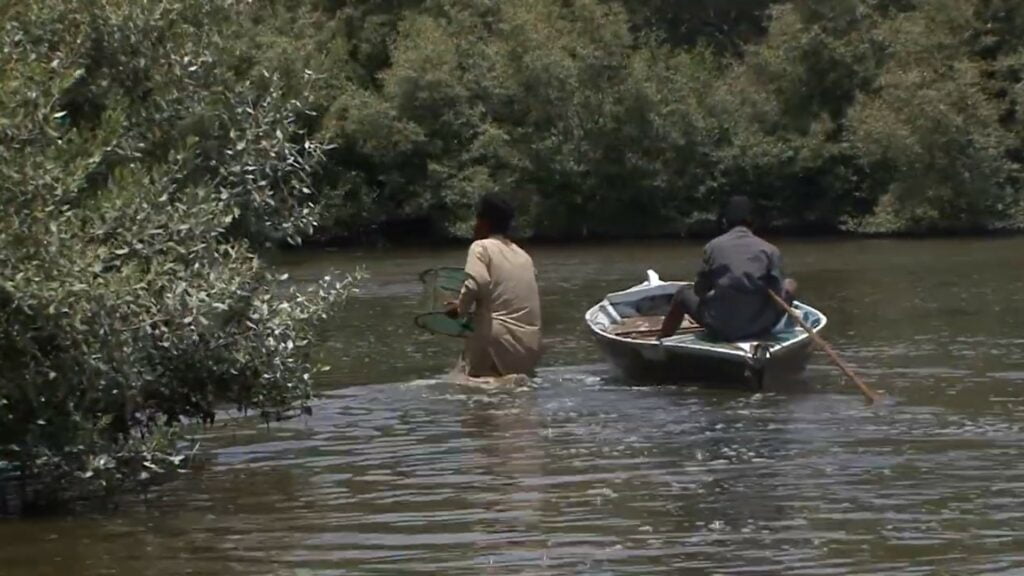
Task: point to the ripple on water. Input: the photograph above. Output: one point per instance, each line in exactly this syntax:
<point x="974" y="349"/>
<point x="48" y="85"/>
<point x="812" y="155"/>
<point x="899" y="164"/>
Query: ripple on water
<point x="582" y="474"/>
<point x="585" y="474"/>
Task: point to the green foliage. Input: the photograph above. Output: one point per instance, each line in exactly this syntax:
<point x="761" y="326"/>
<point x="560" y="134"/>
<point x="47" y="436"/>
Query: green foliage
<point x="931" y="128"/>
<point x="551" y="103"/>
<point x="140" y="154"/>
<point x="607" y="118"/>
<point x="725" y="25"/>
<point x="780" y="114"/>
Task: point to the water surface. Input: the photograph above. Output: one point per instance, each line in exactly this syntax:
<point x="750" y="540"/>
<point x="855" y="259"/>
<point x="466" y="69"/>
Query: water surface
<point x="397" y="472"/>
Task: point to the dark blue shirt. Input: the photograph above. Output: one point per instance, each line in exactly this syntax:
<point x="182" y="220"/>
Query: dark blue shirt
<point x="730" y="284"/>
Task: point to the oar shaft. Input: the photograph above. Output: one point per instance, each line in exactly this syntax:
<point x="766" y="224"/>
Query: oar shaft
<point x="868" y="392"/>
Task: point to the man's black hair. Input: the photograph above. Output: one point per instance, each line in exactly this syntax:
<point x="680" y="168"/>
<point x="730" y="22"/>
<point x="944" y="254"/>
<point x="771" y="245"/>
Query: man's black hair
<point x="738" y="212"/>
<point x="496" y="211"/>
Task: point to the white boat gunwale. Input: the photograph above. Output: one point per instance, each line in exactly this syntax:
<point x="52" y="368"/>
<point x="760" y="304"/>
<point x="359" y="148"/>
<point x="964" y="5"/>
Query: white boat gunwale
<point x="738" y="351"/>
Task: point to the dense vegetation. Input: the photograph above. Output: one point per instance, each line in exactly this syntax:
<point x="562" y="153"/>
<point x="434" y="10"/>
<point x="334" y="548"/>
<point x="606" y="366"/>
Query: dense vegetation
<point x="151" y="146"/>
<point x="142" y="152"/>
<point x="633" y="118"/>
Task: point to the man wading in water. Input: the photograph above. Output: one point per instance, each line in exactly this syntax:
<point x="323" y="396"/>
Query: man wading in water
<point x="728" y="297"/>
<point x="501" y="292"/>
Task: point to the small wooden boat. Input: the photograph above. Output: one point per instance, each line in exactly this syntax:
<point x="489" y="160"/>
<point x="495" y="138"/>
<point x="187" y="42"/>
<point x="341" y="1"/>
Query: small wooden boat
<point x="625" y="325"/>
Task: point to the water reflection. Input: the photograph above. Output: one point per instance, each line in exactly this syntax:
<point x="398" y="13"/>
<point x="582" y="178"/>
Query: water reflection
<point x="508" y="449"/>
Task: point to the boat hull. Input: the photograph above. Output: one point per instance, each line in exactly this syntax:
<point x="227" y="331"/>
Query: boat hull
<point x="624" y="323"/>
<point x="783" y="370"/>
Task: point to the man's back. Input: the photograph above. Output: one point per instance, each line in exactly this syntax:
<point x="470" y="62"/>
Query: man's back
<point x="737" y="265"/>
<point x="514" y="295"/>
<point x="507" y="320"/>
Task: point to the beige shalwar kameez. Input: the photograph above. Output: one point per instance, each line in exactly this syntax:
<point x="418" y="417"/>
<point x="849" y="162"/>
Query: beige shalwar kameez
<point x="501" y="293"/>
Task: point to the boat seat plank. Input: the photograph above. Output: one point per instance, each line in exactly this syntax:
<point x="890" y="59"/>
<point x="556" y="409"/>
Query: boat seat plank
<point x="639" y="326"/>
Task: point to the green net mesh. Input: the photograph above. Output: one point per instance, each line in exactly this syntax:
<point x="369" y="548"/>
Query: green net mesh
<point x="447" y="279"/>
<point x="440" y="323"/>
<point x="442" y="285"/>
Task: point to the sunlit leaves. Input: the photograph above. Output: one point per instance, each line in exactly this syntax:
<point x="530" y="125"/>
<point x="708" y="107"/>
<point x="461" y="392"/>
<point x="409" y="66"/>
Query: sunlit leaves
<point x="141" y="157"/>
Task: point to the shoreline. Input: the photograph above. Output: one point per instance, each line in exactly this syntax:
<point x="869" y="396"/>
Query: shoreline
<point x="771" y="234"/>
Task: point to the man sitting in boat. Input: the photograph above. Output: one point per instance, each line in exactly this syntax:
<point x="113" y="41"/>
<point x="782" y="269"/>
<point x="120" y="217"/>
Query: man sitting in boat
<point x="501" y="293"/>
<point x="728" y="297"/>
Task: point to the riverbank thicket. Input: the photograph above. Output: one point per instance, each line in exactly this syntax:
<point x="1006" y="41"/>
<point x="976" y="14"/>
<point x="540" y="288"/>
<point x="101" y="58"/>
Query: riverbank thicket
<point x="142" y="151"/>
<point x="609" y="118"/>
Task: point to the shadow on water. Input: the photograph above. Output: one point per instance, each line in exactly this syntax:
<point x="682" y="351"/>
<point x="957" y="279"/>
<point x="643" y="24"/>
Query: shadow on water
<point x="584" y="473"/>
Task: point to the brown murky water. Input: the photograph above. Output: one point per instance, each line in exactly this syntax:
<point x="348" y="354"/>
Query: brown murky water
<point x="583" y="474"/>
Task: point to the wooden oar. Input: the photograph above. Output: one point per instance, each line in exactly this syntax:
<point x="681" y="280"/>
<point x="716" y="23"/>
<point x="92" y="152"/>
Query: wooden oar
<point x="870" y="394"/>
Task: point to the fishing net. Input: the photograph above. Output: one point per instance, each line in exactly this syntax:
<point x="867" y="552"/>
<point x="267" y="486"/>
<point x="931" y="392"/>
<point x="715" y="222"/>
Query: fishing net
<point x="447" y="279"/>
<point x="444" y="325"/>
<point x="442" y="285"/>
